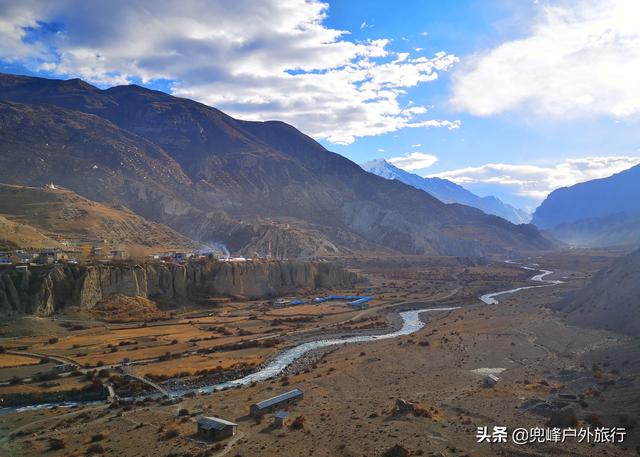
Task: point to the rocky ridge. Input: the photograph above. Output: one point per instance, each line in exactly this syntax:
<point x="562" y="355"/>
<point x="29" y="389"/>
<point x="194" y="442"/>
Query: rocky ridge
<point x="48" y="290"/>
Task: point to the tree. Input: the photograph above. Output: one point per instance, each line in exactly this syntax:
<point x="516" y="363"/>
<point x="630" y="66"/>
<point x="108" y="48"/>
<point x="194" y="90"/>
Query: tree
<point x="105" y="249"/>
<point x="86" y="251"/>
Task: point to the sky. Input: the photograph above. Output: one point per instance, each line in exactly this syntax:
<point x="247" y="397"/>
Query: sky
<point x="512" y="99"/>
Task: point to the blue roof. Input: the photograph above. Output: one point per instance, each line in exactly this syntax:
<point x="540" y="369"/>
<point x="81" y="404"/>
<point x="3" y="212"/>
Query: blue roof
<point x="336" y="297"/>
<point x="279" y="399"/>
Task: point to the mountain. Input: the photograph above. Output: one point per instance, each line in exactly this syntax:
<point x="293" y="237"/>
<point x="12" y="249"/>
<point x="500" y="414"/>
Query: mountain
<point x="610" y="301"/>
<point x="447" y="191"/>
<point x="256" y="186"/>
<point x="39" y="216"/>
<point x="598" y="213"/>
<point x="14" y="235"/>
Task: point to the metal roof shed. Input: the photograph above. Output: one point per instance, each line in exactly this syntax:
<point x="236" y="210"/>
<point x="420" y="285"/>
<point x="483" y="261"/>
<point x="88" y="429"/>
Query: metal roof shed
<point x="265" y="406"/>
<point x="214" y="428"/>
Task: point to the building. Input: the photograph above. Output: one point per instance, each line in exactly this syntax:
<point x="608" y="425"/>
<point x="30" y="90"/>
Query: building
<point x="50" y="256"/>
<point x="215" y="429"/>
<point x="490" y="381"/>
<point x="271" y="404"/>
<point x="118" y="254"/>
<point x="279" y="418"/>
<point x="280" y="303"/>
<point x="23" y="256"/>
<point x="360" y="303"/>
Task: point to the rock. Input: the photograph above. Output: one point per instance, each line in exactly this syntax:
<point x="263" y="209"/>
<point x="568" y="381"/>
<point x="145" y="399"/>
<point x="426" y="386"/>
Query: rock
<point x="44" y="292"/>
<point x="563" y="417"/>
<point x="403" y="406"/>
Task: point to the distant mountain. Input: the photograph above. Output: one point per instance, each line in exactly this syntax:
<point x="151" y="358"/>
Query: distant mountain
<point x="447" y="191"/>
<point x="259" y="187"/>
<point x="598" y="213"/>
<point x="610" y="301"/>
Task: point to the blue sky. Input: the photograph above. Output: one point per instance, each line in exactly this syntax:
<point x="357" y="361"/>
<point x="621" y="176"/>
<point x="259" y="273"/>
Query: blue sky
<point x="507" y="98"/>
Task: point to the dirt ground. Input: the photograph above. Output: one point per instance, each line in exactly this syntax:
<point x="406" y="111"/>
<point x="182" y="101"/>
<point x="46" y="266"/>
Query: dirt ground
<point x="351" y="392"/>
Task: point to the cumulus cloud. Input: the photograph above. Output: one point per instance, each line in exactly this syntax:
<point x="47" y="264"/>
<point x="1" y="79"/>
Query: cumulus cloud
<point x="580" y="59"/>
<point x="413" y="161"/>
<point x="255" y="59"/>
<point x="537" y="182"/>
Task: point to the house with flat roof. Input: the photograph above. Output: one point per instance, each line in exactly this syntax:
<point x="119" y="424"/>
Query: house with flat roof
<point x="215" y="429"/>
<point x="277" y="402"/>
<point x="280" y="418"/>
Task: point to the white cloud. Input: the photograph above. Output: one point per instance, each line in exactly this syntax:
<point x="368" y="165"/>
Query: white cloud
<point x="262" y="59"/>
<point x="413" y="161"/>
<point x="417" y="145"/>
<point x="380" y="150"/>
<point x="451" y="125"/>
<point x="537" y="182"/>
<point x="579" y="59"/>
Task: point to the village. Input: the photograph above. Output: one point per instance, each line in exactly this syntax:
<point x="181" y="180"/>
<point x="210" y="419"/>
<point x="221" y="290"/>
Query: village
<point x="100" y="251"/>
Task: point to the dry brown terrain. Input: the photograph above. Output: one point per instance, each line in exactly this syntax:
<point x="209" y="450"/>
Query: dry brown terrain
<point x="350" y="392"/>
<point x="37" y="217"/>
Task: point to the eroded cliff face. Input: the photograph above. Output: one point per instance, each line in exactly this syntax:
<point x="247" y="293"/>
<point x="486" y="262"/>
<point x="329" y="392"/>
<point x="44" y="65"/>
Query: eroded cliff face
<point x="44" y="290"/>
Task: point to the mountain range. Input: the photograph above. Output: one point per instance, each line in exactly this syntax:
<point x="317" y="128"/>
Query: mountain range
<point x="448" y="192"/>
<point x="598" y="213"/>
<point x="259" y="187"/>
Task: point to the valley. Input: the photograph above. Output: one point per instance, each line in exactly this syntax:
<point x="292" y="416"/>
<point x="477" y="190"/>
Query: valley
<point x="350" y="390"/>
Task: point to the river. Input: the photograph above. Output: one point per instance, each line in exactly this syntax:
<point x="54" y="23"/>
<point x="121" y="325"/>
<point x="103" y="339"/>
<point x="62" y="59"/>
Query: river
<point x="411" y="323"/>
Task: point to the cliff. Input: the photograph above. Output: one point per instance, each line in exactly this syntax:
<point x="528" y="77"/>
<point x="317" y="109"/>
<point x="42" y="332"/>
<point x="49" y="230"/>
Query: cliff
<point x="44" y="291"/>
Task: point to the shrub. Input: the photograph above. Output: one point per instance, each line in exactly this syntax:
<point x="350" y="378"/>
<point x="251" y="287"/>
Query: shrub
<point x="183" y="412"/>
<point x="95" y="449"/>
<point x="98" y="437"/>
<point x="298" y="423"/>
<point x="396" y="451"/>
<point x="170" y="434"/>
<point x="53" y="340"/>
<point x="55" y="444"/>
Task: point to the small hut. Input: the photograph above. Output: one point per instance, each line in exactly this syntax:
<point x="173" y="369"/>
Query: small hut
<point x="490" y="381"/>
<point x="215" y="429"/>
<point x="279" y="418"/>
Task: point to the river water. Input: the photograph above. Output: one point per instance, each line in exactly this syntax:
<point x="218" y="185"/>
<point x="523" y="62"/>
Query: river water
<point x="490" y="299"/>
<point x="411" y="323"/>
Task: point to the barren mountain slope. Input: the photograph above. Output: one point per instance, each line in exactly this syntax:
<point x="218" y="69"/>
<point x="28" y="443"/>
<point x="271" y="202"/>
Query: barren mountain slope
<point x="61" y="213"/>
<point x="612" y="299"/>
<point x="14" y="235"/>
<point x="213" y="177"/>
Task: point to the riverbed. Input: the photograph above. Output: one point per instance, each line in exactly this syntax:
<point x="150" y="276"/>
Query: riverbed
<point x="411" y="323"/>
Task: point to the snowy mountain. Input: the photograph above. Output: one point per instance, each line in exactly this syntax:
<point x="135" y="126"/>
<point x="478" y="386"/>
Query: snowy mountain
<point x="448" y="192"/>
